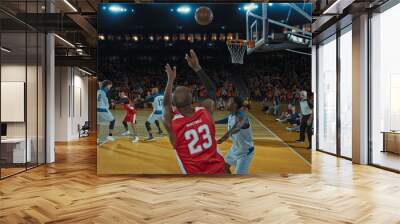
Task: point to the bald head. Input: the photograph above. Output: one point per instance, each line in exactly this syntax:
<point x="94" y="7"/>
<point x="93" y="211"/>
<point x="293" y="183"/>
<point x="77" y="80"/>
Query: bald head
<point x="182" y="97"/>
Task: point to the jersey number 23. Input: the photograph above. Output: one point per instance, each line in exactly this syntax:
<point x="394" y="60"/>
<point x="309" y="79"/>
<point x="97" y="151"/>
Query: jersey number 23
<point x="202" y="133"/>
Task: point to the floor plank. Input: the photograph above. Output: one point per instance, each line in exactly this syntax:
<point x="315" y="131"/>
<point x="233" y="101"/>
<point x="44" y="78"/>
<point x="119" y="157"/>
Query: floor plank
<point x="69" y="191"/>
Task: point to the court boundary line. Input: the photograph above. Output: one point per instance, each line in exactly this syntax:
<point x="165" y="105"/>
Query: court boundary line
<point x="122" y="137"/>
<point x="276" y="136"/>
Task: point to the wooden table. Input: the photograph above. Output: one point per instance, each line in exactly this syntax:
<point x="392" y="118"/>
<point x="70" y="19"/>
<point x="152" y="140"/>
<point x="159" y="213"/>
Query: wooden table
<point x="391" y="141"/>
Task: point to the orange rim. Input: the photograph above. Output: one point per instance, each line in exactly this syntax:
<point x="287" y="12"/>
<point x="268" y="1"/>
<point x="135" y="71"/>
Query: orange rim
<point x="238" y="42"/>
<point x="249" y="43"/>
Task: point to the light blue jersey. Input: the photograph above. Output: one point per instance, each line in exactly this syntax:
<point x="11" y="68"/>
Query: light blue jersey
<point x="241" y="153"/>
<point x="243" y="139"/>
<point x="157" y="109"/>
<point x="158" y="104"/>
<point x="104" y="116"/>
<point x="102" y="100"/>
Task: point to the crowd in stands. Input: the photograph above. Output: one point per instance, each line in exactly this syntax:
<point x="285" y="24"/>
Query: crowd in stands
<point x="276" y="80"/>
<point x="273" y="79"/>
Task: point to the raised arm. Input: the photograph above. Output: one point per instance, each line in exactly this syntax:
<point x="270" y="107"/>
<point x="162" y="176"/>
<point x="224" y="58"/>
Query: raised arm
<point x="193" y="62"/>
<point x="167" y="103"/>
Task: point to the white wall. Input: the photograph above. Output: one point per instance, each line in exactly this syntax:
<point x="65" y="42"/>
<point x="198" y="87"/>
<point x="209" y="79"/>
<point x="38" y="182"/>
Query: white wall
<point x="71" y="102"/>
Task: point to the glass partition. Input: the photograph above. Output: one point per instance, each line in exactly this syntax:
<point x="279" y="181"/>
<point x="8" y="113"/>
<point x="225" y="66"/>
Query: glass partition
<point x="385" y="89"/>
<point x="327" y="95"/>
<point x="22" y="78"/>
<point x="14" y="151"/>
<point x="346" y="92"/>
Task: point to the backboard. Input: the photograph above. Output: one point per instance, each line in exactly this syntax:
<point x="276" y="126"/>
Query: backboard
<point x="279" y="26"/>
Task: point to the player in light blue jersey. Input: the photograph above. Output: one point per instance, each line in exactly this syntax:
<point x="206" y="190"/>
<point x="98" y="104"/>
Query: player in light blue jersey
<point x="157" y="114"/>
<point x="240" y="132"/>
<point x="104" y="116"/>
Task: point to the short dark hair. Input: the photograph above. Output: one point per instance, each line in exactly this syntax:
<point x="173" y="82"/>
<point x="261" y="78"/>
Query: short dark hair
<point x="238" y="101"/>
<point x="105" y="83"/>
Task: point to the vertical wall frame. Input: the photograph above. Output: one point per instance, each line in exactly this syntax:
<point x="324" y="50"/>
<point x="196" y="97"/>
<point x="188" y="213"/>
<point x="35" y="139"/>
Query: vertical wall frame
<point x="338" y="76"/>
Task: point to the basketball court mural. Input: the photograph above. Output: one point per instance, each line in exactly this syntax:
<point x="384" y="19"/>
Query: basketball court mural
<point x="204" y="88"/>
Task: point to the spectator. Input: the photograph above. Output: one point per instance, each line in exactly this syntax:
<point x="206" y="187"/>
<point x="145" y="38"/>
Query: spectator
<point x="306" y="118"/>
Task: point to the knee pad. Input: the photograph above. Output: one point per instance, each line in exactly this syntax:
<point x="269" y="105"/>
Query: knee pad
<point x="147" y="124"/>
<point x="112" y="124"/>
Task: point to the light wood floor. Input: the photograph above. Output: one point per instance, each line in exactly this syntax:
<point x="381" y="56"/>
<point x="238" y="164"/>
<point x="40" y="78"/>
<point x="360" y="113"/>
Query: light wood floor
<point x="69" y="191"/>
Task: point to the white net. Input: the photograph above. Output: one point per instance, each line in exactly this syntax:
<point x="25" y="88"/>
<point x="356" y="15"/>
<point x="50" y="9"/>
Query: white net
<point x="237" y="50"/>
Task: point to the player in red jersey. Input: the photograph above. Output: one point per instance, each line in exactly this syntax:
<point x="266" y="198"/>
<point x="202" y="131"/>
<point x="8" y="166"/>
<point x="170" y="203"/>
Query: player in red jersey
<point x="130" y="117"/>
<point x="191" y="129"/>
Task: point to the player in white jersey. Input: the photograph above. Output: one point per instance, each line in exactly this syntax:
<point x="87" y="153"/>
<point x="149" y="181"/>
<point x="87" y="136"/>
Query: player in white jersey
<point x="240" y="132"/>
<point x="156" y="115"/>
<point x="104" y="116"/>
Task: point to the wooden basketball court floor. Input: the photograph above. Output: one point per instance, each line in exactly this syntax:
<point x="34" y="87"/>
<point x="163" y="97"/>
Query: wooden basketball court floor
<point x="272" y="155"/>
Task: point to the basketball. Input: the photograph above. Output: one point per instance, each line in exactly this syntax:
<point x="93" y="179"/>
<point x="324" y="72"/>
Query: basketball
<point x="203" y="15"/>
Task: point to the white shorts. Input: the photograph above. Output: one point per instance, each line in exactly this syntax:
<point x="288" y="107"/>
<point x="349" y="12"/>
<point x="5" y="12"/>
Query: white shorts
<point x="241" y="161"/>
<point x="153" y="117"/>
<point x="104" y="118"/>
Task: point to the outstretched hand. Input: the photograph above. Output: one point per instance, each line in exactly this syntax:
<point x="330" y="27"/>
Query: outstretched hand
<point x="171" y="73"/>
<point x="193" y="61"/>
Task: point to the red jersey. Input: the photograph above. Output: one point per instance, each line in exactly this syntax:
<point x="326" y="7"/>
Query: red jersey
<point x="130" y="112"/>
<point x="195" y="143"/>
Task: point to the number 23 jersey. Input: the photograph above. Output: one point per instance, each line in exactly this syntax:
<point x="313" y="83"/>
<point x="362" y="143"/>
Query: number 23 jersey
<point x="195" y="143"/>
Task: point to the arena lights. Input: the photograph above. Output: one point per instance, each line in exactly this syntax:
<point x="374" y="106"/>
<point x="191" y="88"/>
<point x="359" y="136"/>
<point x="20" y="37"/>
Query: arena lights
<point x="191" y="37"/>
<point x="116" y="8"/>
<point x="270" y="4"/>
<point x="184" y="9"/>
<point x="251" y="6"/>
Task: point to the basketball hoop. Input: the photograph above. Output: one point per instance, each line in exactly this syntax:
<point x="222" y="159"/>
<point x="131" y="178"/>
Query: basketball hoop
<point x="237" y="48"/>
